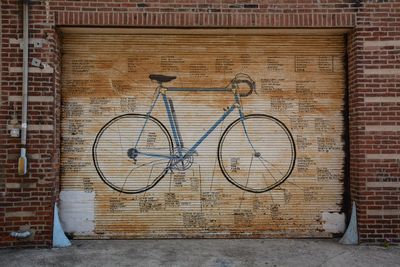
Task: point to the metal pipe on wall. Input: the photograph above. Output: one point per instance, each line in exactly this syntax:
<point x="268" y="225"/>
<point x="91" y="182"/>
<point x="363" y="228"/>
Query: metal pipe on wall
<point x="22" y="161"/>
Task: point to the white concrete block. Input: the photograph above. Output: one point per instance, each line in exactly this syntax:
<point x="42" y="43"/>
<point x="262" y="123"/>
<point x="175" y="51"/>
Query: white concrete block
<point x="333" y="222"/>
<point x="77" y="212"/>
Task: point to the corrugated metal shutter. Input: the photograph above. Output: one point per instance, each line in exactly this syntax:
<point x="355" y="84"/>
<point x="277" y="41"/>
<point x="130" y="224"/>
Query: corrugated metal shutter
<point x="300" y="80"/>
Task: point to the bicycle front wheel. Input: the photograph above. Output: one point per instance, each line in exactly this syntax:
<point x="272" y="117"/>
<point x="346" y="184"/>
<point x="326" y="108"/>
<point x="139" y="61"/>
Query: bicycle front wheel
<point x="131" y="153"/>
<point x="258" y="154"/>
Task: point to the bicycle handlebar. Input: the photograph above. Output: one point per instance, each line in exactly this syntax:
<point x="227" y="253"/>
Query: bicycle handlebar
<point x="244" y="78"/>
<point x="240" y="78"/>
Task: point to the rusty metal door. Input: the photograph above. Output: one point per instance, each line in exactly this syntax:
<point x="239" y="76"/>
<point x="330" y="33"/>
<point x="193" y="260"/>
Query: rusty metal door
<point x="215" y="190"/>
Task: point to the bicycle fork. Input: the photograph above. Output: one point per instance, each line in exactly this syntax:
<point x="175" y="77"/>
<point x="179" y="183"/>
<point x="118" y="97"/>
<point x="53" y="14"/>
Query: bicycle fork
<point x="241" y="116"/>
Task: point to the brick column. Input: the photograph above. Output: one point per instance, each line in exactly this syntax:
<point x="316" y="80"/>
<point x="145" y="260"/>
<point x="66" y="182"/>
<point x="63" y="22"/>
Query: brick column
<point x="374" y="99"/>
<point x="27" y="201"/>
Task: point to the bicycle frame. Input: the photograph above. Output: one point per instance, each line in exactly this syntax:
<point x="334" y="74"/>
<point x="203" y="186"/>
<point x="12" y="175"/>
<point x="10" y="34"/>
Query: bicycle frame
<point x="174" y="122"/>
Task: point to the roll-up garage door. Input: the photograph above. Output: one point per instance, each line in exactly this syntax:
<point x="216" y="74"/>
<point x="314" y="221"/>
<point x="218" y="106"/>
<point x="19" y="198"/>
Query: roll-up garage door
<point x="232" y="135"/>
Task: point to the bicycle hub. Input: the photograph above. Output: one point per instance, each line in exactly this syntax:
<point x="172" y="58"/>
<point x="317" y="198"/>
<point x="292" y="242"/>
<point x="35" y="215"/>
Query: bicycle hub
<point x="132" y="153"/>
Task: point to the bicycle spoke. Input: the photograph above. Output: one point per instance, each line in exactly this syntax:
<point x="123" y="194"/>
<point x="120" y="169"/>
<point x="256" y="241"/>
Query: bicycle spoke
<point x="247" y="182"/>
<point x="248" y="175"/>
<point x="151" y="171"/>
<point x="267" y="171"/>
<point x="119" y="134"/>
<point x="126" y="178"/>
<point x="246" y="133"/>
<point x="266" y="161"/>
<point x="120" y="140"/>
<point x="148" y="180"/>
<point x="135" y="168"/>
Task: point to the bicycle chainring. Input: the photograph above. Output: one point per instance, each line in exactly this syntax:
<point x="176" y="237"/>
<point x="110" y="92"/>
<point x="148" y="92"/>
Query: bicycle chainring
<point x="182" y="164"/>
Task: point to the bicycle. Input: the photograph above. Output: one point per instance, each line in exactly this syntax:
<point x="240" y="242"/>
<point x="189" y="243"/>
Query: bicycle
<point x="256" y="152"/>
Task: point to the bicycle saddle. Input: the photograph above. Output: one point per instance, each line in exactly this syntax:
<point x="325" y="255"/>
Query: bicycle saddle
<point x="161" y="78"/>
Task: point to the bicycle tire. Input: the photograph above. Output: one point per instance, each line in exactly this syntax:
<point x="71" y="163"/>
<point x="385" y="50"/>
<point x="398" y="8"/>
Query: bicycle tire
<point x="264" y="152"/>
<point x="110" y="152"/>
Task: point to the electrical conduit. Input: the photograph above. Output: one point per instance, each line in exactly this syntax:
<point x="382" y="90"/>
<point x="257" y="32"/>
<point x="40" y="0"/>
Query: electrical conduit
<point x="22" y="161"/>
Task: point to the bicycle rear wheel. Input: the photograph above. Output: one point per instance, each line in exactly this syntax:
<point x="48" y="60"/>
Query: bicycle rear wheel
<point x="119" y="166"/>
<point x="260" y="160"/>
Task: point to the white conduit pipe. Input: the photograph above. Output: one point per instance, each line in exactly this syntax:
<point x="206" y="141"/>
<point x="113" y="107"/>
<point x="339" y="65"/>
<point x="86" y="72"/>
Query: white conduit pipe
<point x="22" y="161"/>
<point x="23" y="234"/>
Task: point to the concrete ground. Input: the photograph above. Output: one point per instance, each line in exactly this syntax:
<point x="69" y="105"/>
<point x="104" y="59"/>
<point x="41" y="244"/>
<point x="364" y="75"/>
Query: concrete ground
<point x="221" y="253"/>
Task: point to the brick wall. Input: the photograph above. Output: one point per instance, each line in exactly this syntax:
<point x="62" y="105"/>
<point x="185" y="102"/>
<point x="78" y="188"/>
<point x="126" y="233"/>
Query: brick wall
<point x="374" y="94"/>
<point x="374" y="75"/>
<point x="27" y="202"/>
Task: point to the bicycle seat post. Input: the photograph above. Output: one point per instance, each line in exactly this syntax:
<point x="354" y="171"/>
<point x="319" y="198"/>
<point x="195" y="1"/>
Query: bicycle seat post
<point x="162" y="89"/>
